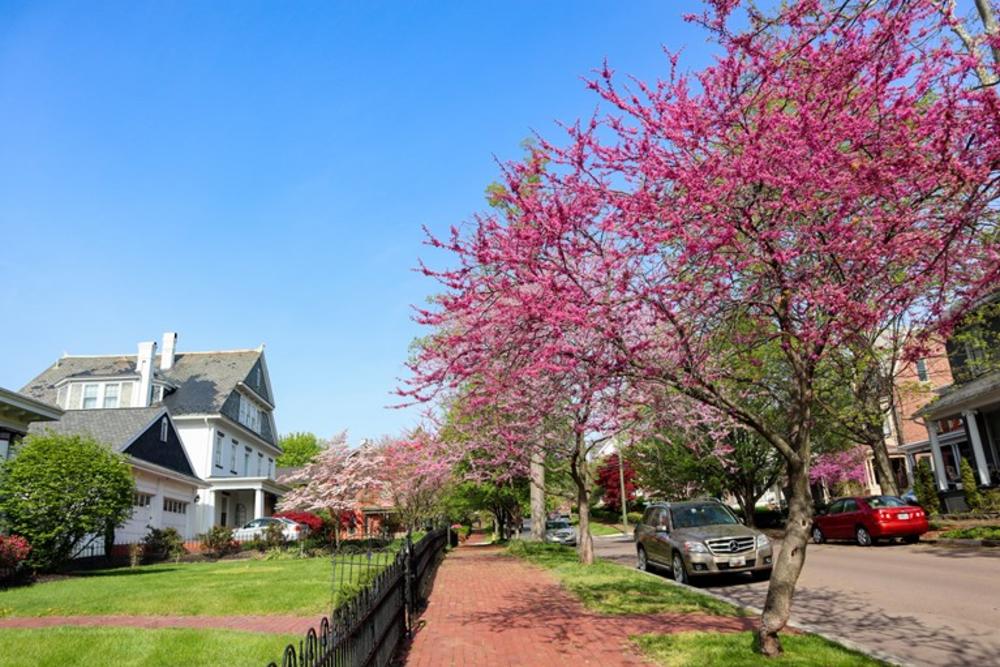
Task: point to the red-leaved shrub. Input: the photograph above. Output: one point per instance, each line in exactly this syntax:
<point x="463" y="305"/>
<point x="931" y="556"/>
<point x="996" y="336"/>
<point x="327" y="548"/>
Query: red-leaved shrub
<point x="309" y="519"/>
<point x="14" y="549"/>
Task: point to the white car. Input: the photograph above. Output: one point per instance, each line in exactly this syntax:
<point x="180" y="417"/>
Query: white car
<point x="257" y="529"/>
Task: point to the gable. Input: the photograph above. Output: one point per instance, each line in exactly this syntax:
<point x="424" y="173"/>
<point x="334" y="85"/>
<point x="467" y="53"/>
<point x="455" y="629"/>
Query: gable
<point x="257" y="380"/>
<point x="170" y="454"/>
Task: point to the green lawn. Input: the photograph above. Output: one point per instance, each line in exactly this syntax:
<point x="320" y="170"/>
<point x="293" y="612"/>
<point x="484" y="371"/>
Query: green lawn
<point x="224" y="588"/>
<point x="695" y="649"/>
<point x="974" y="533"/>
<point x="598" y="528"/>
<point x="127" y="647"/>
<point x="613" y="589"/>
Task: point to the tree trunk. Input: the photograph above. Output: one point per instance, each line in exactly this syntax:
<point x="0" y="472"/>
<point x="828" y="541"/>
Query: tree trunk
<point x="883" y="466"/>
<point x="537" y="484"/>
<point x="585" y="545"/>
<point x="788" y="564"/>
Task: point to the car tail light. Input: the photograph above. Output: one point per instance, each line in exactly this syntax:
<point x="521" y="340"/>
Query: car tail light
<point x="884" y="516"/>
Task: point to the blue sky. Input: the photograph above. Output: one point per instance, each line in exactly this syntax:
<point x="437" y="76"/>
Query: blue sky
<point x="247" y="173"/>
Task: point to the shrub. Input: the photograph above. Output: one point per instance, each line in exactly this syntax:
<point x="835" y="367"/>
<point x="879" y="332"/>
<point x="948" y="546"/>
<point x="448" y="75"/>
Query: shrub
<point x="160" y="544"/>
<point x="218" y="542"/>
<point x="974" y="533"/>
<point x="990" y="501"/>
<point x="135" y="552"/>
<point x="14" y="550"/>
<point x="925" y="488"/>
<point x="274" y="536"/>
<point x="313" y="521"/>
<point x="973" y="498"/>
<point x="61" y="489"/>
<point x="634" y="517"/>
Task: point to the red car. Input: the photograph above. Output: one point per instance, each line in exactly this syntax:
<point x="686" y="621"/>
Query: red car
<point x="867" y="519"/>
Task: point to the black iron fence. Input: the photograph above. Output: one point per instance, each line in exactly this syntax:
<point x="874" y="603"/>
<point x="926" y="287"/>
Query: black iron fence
<point x="378" y="588"/>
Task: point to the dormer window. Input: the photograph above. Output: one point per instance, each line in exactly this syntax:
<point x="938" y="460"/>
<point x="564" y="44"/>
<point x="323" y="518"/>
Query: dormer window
<point x="163" y="430"/>
<point x="89" y="396"/>
<point x="111" y="392"/>
<point x="249" y="414"/>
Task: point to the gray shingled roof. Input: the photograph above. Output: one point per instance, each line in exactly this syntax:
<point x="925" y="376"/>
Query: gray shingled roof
<point x="115" y="427"/>
<point x="958" y="397"/>
<point x="204" y="379"/>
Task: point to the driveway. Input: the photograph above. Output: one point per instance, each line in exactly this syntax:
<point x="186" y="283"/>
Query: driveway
<point x="928" y="604"/>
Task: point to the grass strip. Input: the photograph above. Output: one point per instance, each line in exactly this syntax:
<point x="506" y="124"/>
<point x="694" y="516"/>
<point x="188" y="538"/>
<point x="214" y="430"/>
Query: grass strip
<point x="974" y="533"/>
<point x="613" y="589"/>
<point x="133" y="647"/>
<point x="698" y="649"/>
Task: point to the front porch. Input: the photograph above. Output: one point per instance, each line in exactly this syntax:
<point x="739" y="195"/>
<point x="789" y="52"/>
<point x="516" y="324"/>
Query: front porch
<point x="963" y="424"/>
<point x="232" y="502"/>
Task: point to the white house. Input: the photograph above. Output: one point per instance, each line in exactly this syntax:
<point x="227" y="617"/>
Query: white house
<point x="220" y="403"/>
<point x="166" y="487"/>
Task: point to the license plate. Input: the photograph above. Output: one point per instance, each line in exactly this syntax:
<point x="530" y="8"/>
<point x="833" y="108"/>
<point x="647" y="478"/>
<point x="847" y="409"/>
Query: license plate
<point x="738" y="562"/>
<point x="903" y="515"/>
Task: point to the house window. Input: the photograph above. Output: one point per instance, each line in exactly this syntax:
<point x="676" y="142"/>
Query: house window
<point x="89" y="396"/>
<point x="270" y="467"/>
<point x="111" y="392"/>
<point x="260" y="464"/>
<point x="163" y="430"/>
<point x="246" y="462"/>
<point x="220" y="441"/>
<point x="142" y="499"/>
<point x="249" y="414"/>
<point x="922" y="370"/>
<point x="232" y="456"/>
<point x="175" y="506"/>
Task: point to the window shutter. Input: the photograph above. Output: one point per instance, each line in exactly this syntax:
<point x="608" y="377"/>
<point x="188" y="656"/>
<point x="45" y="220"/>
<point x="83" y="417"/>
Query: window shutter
<point x="61" y="397"/>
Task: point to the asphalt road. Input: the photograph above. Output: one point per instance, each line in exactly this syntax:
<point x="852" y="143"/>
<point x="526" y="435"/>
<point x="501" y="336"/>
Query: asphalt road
<point x="928" y="604"/>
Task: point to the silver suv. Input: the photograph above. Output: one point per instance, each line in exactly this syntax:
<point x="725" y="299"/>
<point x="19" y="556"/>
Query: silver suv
<point x="698" y="538"/>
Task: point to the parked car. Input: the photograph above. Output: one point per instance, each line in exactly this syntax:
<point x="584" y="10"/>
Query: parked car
<point x="700" y="538"/>
<point x="559" y="531"/>
<point x="910" y="497"/>
<point x="867" y="519"/>
<point x="258" y="527"/>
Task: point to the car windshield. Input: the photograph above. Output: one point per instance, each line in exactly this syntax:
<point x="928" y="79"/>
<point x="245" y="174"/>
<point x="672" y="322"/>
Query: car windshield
<point x="885" y="501"/>
<point x="708" y="514"/>
<point x="557" y="524"/>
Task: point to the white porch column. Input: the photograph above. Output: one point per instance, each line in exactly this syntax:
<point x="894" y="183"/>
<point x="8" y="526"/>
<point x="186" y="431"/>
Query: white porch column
<point x="258" y="503"/>
<point x="977" y="446"/>
<point x="939" y="473"/>
<point x="911" y="467"/>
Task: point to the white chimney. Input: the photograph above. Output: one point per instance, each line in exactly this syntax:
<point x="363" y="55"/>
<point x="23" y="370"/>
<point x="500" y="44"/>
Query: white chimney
<point x="144" y="364"/>
<point x="168" y="350"/>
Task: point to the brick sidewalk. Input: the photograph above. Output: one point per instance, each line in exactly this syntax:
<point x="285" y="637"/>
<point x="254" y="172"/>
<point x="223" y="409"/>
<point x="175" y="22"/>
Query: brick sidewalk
<point x="488" y="608"/>
<point x="272" y="624"/>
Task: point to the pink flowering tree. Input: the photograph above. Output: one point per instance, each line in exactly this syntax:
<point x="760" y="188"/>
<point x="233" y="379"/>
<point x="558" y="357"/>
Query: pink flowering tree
<point x="415" y="473"/>
<point x="338" y="479"/>
<point x="722" y="236"/>
<point x="839" y="467"/>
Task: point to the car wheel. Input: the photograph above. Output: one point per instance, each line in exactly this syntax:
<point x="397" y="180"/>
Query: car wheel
<point x="863" y="537"/>
<point x="642" y="563"/>
<point x="761" y="575"/>
<point x="679" y="571"/>
<point x="817" y="535"/>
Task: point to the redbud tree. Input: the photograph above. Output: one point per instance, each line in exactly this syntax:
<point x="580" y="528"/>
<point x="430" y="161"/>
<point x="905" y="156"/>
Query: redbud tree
<point x="829" y="173"/>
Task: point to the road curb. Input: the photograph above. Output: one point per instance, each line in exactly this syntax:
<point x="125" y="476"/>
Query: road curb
<point x="961" y="542"/>
<point x="888" y="658"/>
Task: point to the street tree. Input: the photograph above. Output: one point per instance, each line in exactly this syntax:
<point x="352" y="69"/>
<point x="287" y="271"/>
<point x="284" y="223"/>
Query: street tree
<point x="298" y="449"/>
<point x="826" y="175"/>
